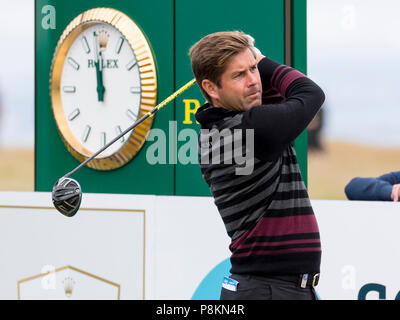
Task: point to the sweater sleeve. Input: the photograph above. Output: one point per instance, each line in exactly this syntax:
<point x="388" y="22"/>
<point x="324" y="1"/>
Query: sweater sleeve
<point x="379" y="188"/>
<point x="277" y="125"/>
<point x="391" y="177"/>
<point x="373" y="189"/>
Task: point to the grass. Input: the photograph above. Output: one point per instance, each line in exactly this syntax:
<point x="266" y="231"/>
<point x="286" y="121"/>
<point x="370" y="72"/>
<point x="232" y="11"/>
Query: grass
<point x="328" y="170"/>
<point x="16" y="169"/>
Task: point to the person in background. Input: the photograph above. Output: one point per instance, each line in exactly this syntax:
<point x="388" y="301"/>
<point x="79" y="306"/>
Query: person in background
<point x="314" y="131"/>
<point x="383" y="188"/>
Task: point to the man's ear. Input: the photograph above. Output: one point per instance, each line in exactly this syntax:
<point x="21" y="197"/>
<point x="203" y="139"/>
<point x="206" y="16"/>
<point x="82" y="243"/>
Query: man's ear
<point x="211" y="89"/>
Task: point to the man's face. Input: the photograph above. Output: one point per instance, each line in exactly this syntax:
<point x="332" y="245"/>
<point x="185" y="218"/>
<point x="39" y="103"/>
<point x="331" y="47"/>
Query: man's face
<point x="240" y="87"/>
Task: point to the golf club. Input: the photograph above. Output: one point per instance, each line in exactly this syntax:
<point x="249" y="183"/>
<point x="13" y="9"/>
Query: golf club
<point x="67" y="193"/>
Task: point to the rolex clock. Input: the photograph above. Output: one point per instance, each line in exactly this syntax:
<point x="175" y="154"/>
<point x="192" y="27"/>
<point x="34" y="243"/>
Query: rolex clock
<point x="103" y="78"/>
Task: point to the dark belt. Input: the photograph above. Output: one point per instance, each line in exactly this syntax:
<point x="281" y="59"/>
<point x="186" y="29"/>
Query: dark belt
<point x="305" y="280"/>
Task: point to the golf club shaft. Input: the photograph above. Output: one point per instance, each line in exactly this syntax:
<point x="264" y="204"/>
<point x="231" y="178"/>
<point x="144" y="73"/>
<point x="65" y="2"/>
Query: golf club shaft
<point x="133" y="126"/>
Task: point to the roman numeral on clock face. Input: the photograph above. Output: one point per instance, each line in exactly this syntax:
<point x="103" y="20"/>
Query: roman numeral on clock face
<point x="85" y="44"/>
<point x="131" y="64"/>
<point x="131" y="114"/>
<point x="73" y="63"/>
<point x="118" y="131"/>
<point x="135" y="89"/>
<point x="73" y="114"/>
<point x="86" y="133"/>
<point x="119" y="45"/>
<point x="69" y="89"/>
<point x="103" y="139"/>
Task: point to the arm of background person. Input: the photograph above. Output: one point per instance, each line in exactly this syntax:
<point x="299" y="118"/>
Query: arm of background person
<point x="391" y="177"/>
<point x="373" y="189"/>
<point x="394" y="179"/>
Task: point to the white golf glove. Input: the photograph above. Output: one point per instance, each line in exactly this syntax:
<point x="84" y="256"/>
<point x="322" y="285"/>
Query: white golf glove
<point x="252" y="42"/>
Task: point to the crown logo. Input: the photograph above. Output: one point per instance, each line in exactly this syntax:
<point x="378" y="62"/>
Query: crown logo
<point x="103" y="39"/>
<point x="68" y="283"/>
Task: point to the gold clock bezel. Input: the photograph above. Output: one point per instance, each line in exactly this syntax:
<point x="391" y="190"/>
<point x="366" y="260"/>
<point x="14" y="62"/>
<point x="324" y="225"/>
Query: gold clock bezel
<point x="148" y="79"/>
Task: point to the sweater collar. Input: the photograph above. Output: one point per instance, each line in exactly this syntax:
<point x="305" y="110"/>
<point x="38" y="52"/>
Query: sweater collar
<point x="207" y="115"/>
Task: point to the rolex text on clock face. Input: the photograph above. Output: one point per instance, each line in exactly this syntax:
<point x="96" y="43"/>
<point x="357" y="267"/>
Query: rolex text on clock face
<point x="100" y="88"/>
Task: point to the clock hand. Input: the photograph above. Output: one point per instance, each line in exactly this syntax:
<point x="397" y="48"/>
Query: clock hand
<point x="99" y="69"/>
<point x="99" y="75"/>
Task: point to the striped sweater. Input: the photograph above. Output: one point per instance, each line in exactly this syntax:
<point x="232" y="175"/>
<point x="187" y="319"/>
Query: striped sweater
<point x="267" y="213"/>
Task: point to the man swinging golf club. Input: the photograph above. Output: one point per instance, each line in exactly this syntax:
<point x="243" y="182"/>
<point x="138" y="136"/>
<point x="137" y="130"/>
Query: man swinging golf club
<point x="276" y="250"/>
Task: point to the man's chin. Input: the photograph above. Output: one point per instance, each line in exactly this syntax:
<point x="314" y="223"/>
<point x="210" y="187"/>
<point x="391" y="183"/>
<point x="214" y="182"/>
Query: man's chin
<point x="254" y="103"/>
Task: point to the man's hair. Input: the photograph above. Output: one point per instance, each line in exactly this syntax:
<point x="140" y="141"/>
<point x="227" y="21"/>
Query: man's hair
<point x="210" y="55"/>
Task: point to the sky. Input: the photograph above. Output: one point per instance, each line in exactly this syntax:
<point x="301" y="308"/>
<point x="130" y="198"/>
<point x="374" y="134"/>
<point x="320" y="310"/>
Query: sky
<point x="353" y="53"/>
<point x="17" y="73"/>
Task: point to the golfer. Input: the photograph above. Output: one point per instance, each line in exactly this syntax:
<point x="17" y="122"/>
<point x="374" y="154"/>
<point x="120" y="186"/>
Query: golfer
<point x="276" y="249"/>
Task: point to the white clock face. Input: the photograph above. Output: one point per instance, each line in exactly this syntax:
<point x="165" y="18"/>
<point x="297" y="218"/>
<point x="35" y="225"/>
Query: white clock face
<point x="100" y="88"/>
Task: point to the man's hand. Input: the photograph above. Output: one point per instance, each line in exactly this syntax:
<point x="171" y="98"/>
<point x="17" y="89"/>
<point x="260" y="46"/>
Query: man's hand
<point x="258" y="53"/>
<point x="395" y="195"/>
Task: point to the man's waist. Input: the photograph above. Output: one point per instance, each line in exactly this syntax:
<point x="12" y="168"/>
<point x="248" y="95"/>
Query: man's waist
<point x="303" y="280"/>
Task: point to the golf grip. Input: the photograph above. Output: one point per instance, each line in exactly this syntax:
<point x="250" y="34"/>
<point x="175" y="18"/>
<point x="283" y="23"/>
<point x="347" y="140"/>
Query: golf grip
<point x="147" y="115"/>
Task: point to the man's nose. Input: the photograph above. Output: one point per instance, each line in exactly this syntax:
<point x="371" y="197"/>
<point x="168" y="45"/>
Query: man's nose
<point x="252" y="79"/>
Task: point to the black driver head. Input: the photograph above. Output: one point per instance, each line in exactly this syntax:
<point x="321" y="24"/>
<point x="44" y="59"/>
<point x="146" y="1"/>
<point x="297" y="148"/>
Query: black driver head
<point x="67" y="196"/>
